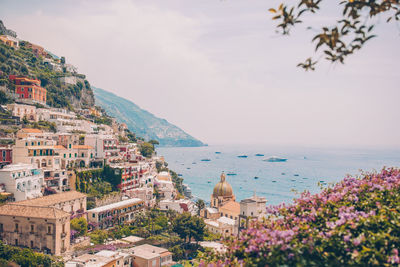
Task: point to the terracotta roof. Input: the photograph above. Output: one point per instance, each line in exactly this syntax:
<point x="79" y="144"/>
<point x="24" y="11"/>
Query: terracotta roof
<point x="31" y="130"/>
<point x="232" y="206"/>
<point x="59" y="147"/>
<point x="51" y="200"/>
<point x="32" y="211"/>
<point x="82" y="147"/>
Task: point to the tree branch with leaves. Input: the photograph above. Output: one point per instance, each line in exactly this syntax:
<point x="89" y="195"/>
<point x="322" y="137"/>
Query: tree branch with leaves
<point x="348" y="35"/>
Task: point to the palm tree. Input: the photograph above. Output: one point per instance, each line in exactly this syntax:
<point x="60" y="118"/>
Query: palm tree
<point x="200" y="205"/>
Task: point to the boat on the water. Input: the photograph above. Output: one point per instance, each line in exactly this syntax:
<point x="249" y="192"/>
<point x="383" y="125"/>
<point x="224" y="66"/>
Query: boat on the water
<point x="259" y="155"/>
<point x="275" y="159"/>
<point x="217" y="152"/>
<point x="256" y="177"/>
<point x="179" y="174"/>
<point x="231" y="173"/>
<point x="209" y="181"/>
<point x="296" y="174"/>
<point x="283" y="173"/>
<point x="242" y="156"/>
<point x="206" y="160"/>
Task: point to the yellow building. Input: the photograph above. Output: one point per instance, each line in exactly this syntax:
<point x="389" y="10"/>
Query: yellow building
<point x="9" y="40"/>
<point x="42" y="228"/>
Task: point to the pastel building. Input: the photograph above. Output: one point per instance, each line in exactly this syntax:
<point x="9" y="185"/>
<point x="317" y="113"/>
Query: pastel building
<point x="39" y="151"/>
<point x="253" y="208"/>
<point x="116" y="213"/>
<point x="23" y="111"/>
<point x="24" y="181"/>
<point x="180" y="206"/>
<point x="145" y="193"/>
<point x="29" y="89"/>
<point x="223" y="226"/>
<point x="5" y="155"/>
<point x="9" y="40"/>
<point x="150" y="256"/>
<point x="72" y="202"/>
<point x="41" y="228"/>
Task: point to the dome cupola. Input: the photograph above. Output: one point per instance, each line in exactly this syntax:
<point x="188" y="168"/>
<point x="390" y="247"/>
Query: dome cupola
<point x="223" y="188"/>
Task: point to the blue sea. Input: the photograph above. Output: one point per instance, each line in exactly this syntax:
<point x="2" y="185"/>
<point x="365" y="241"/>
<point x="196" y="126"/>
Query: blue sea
<point x="279" y="182"/>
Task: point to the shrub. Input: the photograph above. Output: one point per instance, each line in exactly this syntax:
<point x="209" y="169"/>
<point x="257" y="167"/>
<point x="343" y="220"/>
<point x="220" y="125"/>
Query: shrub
<point x="353" y="223"/>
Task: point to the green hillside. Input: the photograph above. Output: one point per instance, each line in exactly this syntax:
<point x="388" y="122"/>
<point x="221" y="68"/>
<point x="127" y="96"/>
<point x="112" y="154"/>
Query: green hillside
<point x="142" y="122"/>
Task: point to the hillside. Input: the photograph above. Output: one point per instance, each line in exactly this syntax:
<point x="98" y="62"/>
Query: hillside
<point x="24" y="62"/>
<point x="142" y="122"/>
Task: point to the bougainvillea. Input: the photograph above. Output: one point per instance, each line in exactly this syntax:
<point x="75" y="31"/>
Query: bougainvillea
<point x="353" y="223"/>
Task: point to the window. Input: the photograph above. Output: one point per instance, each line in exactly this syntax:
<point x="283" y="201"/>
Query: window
<point x="49" y="229"/>
<point x="93" y="215"/>
<point x="16" y="242"/>
<point x="16" y="227"/>
<point x="31" y="244"/>
<point x="63" y="228"/>
<point x="1" y="227"/>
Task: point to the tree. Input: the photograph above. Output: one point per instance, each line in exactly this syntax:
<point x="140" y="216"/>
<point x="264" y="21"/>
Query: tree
<point x="200" y="205"/>
<point x="350" y="32"/>
<point x="146" y="149"/>
<point x="80" y="225"/>
<point x="188" y="227"/>
<point x="153" y="142"/>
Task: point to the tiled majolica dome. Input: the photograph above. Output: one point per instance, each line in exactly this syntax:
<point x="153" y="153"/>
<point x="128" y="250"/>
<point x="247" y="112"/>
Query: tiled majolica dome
<point x="223" y="188"/>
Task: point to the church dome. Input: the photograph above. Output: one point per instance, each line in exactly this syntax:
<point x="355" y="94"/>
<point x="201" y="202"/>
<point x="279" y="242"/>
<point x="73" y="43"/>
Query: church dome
<point x="223" y="188"/>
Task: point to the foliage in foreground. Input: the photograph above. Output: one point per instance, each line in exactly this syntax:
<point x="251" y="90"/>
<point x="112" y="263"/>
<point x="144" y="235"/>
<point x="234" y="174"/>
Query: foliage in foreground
<point x="25" y="257"/>
<point x="354" y="223"/>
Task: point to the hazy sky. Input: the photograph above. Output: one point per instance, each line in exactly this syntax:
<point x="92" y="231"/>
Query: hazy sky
<point x="218" y="70"/>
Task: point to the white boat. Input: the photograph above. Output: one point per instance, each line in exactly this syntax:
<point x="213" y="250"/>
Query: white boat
<point x="275" y="159"/>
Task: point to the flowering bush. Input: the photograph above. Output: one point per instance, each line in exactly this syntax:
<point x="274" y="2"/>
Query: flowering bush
<point x="353" y="223"/>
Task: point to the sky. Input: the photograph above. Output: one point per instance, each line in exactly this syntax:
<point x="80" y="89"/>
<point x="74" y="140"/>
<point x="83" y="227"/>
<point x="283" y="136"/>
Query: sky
<point x="218" y="70"/>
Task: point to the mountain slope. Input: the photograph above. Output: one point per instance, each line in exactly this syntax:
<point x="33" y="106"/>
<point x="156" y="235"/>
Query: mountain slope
<point x="142" y="122"/>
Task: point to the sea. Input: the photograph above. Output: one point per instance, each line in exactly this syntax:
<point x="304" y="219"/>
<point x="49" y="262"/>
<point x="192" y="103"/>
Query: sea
<point x="306" y="168"/>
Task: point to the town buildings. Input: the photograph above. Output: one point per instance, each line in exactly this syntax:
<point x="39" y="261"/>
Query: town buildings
<point x="23" y="111"/>
<point x="29" y="89"/>
<point x="148" y="255"/>
<point x="24" y="181"/>
<point x="5" y="155"/>
<point x="223" y="215"/>
<point x="252" y="208"/>
<point x="45" y="229"/>
<point x="72" y="202"/>
<point x="223" y="226"/>
<point x="180" y="206"/>
<point x="9" y="40"/>
<point x="116" y="213"/>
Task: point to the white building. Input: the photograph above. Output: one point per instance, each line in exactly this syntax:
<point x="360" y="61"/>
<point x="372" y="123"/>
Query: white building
<point x="180" y="206"/>
<point x="23" y="111"/>
<point x="25" y="181"/>
<point x="144" y="193"/>
<point x="223" y="226"/>
<point x="54" y="114"/>
<point x="166" y="189"/>
<point x="254" y="207"/>
<point x="116" y="213"/>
